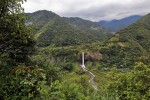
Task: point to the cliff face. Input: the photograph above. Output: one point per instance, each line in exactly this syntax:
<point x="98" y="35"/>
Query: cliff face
<point x="89" y="56"/>
<point x="93" y="56"/>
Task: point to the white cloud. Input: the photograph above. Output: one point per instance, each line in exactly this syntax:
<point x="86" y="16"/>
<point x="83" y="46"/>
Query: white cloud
<point x="91" y="9"/>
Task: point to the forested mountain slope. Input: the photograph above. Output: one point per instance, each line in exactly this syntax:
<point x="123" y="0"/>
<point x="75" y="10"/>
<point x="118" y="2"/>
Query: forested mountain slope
<point x="51" y="29"/>
<point x="89" y="27"/>
<point x="130" y="44"/>
<point x="139" y="32"/>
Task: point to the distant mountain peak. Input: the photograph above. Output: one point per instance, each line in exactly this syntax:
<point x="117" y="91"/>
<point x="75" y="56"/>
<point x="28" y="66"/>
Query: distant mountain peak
<point x="116" y="25"/>
<point x="130" y="45"/>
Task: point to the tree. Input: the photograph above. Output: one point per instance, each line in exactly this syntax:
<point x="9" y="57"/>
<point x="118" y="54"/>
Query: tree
<point x="16" y="40"/>
<point x="133" y="85"/>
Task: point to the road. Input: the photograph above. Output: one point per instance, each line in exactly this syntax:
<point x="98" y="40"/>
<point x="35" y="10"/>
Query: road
<point x="91" y="80"/>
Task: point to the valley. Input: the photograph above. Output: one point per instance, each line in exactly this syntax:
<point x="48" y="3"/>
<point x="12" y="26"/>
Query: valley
<point x="45" y="56"/>
<point x="105" y="62"/>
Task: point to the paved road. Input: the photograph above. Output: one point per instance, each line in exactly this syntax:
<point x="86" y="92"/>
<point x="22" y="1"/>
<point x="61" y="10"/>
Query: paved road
<point x="91" y="80"/>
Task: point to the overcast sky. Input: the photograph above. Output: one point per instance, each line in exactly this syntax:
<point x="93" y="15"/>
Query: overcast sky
<point x="94" y="10"/>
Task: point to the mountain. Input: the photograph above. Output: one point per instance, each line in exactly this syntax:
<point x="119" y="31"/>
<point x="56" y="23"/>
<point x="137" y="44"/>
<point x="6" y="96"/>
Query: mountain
<point x="130" y="44"/>
<point x="51" y="29"/>
<point x="88" y="27"/>
<point x="138" y="32"/>
<point x="116" y="25"/>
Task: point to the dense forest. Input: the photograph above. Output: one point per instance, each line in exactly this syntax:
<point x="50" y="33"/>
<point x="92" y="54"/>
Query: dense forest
<point x="41" y="54"/>
<point x="51" y="29"/>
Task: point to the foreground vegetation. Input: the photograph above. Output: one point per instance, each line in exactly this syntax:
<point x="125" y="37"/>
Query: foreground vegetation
<point x="55" y="73"/>
<point x="60" y="81"/>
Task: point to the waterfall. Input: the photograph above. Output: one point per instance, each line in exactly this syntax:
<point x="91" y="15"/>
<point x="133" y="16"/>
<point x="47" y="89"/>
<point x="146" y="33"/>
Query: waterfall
<point x="83" y="58"/>
<point x="91" y="80"/>
<point x="83" y="66"/>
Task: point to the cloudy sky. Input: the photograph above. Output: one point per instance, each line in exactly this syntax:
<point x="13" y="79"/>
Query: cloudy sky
<point x="94" y="10"/>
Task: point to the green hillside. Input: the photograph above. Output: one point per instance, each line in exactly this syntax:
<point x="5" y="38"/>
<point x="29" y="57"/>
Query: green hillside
<point x="39" y="18"/>
<point x="130" y="44"/>
<point x="89" y="27"/>
<point x="69" y="63"/>
<point x="51" y="29"/>
<point x="139" y="32"/>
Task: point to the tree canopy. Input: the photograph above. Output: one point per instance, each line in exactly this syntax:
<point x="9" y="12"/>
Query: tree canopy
<point x="15" y="39"/>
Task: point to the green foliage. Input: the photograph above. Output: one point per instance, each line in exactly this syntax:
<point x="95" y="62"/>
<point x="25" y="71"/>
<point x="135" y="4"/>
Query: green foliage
<point x="15" y="38"/>
<point x="133" y="85"/>
<point x="129" y="45"/>
<point x="89" y="27"/>
<point x="31" y="83"/>
<point x="119" y="57"/>
<point x="60" y="76"/>
<point x="68" y="67"/>
<point x="52" y="29"/>
<point x="22" y="83"/>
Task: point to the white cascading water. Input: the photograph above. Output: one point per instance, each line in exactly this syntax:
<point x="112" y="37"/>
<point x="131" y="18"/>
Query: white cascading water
<point x="92" y="75"/>
<point x="83" y="66"/>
